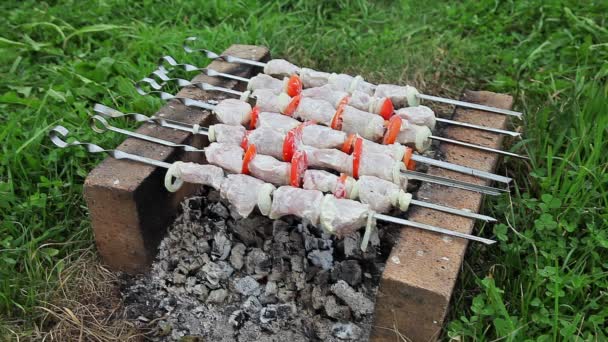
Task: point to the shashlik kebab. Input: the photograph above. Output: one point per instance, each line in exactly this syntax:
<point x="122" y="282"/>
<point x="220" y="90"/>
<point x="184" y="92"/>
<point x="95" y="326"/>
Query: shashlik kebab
<point x="400" y="95"/>
<point x="380" y="194"/>
<point x="383" y="106"/>
<point x="345" y="118"/>
<point x="336" y="216"/>
<point x="312" y="135"/>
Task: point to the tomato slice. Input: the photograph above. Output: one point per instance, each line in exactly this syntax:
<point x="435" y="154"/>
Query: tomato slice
<point x="392" y="131"/>
<point x="294" y="86"/>
<point x="357" y="156"/>
<point x="340" y="191"/>
<point x="255" y="114"/>
<point x="347" y="147"/>
<point x="245" y="141"/>
<point x="387" y="109"/>
<point x="293" y="105"/>
<point x="249" y="155"/>
<point x="289" y="144"/>
<point x="345" y="100"/>
<point x="407" y="157"/>
<point x="299" y="164"/>
<point x="411" y="165"/>
<point x="336" y="121"/>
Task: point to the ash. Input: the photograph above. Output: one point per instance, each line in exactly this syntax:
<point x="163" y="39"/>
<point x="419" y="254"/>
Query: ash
<point x="218" y="277"/>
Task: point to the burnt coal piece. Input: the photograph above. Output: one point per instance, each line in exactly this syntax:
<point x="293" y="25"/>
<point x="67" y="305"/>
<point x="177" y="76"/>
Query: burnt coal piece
<point x="221" y="278"/>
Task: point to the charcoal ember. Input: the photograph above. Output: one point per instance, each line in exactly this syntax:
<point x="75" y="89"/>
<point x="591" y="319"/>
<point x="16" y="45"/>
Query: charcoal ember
<point x="297" y="263"/>
<point x="349" y="271"/>
<point x="335" y="310"/>
<point x="299" y="280"/>
<point x="220" y="210"/>
<point x="311" y="272"/>
<point x="271" y="288"/>
<point x="319" y="296"/>
<point x="214" y="272"/>
<point x="304" y="298"/>
<point x="286" y="295"/>
<point x="247" y="286"/>
<point x="252" y="306"/>
<point x="200" y="291"/>
<point x="237" y="318"/>
<point x="358" y="302"/>
<point x="221" y="246"/>
<point x="322" y="259"/>
<point x="250" y="331"/>
<point x="322" y="277"/>
<point x="179" y="278"/>
<point x="351" y="246"/>
<point x="245" y="230"/>
<point x="346" y="331"/>
<point x="217" y="296"/>
<point x="237" y="256"/>
<point x="276" y="312"/>
<point x="257" y="262"/>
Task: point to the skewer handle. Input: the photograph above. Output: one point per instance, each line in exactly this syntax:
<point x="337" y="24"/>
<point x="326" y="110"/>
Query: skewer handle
<point x="469" y="105"/>
<point x="430" y="228"/>
<point x="213" y="55"/>
<point x="58" y="132"/>
<point x="478" y="147"/>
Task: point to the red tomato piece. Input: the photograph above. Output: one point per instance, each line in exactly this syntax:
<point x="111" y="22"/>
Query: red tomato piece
<point x="299" y="164"/>
<point x="357" y="156"/>
<point x="387" y="109"/>
<point x="293" y="105"/>
<point x="294" y="86"/>
<point x="392" y="131"/>
<point x="249" y="155"/>
<point x="255" y="114"/>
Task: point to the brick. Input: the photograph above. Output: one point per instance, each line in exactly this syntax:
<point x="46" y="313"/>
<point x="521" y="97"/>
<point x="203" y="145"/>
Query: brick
<point x="419" y="278"/>
<point x="128" y="204"/>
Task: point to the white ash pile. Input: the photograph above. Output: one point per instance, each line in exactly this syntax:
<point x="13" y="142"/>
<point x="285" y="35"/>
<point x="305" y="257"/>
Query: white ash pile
<point x="227" y="279"/>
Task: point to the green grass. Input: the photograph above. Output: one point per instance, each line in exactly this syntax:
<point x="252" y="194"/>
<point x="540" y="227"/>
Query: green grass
<point x="546" y="279"/>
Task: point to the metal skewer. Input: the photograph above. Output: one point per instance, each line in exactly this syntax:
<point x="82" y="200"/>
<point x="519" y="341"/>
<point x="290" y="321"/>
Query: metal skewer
<point x="109" y="112"/>
<point x="162" y="72"/>
<point x="58" y="132"/>
<point x="210" y="87"/>
<point x="232" y="59"/>
<point x="100" y="125"/>
<point x="448" y="166"/>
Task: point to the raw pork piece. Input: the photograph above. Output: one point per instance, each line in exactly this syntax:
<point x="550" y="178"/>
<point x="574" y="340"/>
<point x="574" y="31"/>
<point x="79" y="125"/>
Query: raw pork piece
<point x="263" y="81"/>
<point x="316" y="110"/>
<point x="328" y="182"/>
<point x="330" y="159"/>
<point x="227" y="156"/>
<point x="228" y="134"/>
<point x="267" y="141"/>
<point x="340" y="82"/>
<point x="268" y="101"/>
<point x="381" y="166"/>
<point x="415" y="136"/>
<point x="350" y="84"/>
<point x="419" y="115"/>
<point x="325" y="93"/>
<point x="276" y="121"/>
<point x="205" y="174"/>
<point x="343" y="216"/>
<point x="312" y="78"/>
<point x="381" y="195"/>
<point x="369" y="126"/>
<point x="270" y="169"/>
<point x="320" y="180"/>
<point x="233" y="112"/>
<point x="305" y="204"/>
<point x="402" y="96"/>
<point x="280" y="67"/>
<point x="241" y="191"/>
<point x="395" y="151"/>
<point x="322" y="137"/>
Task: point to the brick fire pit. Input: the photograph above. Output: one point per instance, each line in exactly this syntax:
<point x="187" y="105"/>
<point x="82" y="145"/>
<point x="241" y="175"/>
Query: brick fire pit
<point x="130" y="209"/>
